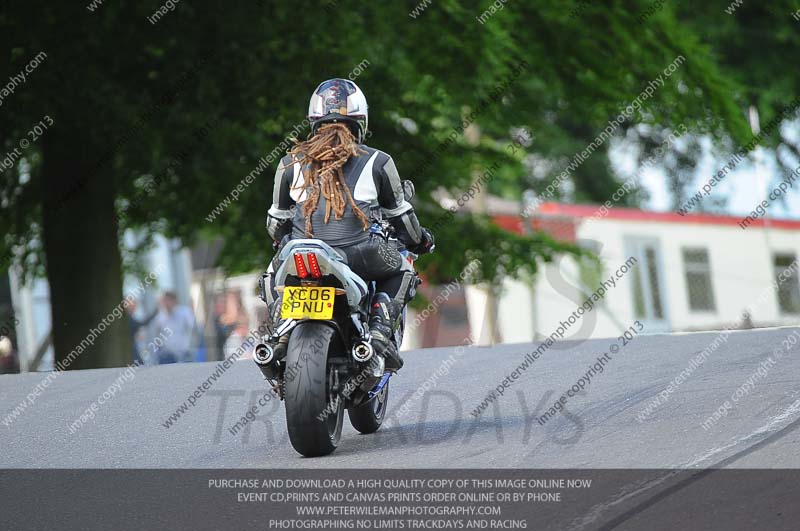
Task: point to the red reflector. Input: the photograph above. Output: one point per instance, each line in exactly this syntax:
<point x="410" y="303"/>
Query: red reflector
<point x="312" y="262"/>
<point x="301" y="266"/>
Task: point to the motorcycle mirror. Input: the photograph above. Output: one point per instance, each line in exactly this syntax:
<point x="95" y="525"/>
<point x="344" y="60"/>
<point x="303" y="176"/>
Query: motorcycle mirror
<point x="408" y="189"/>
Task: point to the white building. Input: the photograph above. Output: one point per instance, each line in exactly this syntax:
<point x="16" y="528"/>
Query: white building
<point x="694" y="272"/>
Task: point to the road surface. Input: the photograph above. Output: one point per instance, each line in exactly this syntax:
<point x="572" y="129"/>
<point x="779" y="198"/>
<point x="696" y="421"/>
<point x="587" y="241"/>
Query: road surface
<point x="602" y="427"/>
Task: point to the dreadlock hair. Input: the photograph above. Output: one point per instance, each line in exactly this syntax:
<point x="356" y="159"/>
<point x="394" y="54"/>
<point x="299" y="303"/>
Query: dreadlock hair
<point x="323" y="155"/>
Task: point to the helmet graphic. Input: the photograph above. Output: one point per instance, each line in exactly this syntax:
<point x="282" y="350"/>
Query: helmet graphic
<point x="339" y="100"/>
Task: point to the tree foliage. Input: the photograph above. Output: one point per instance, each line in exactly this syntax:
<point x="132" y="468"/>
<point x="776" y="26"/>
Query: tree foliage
<point x="750" y="47"/>
<point x="170" y="117"/>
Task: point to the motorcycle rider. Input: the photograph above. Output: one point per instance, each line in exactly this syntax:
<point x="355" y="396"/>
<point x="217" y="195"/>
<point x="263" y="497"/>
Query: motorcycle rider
<point x="333" y="187"/>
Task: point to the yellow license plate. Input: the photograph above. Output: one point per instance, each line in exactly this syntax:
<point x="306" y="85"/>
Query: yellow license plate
<point x="301" y="302"/>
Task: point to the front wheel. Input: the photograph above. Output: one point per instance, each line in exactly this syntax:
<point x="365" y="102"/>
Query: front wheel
<point x="368" y="417"/>
<point x="314" y="414"/>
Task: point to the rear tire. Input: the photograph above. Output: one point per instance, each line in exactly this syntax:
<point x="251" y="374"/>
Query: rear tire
<point x="368" y="417"/>
<point x="307" y="390"/>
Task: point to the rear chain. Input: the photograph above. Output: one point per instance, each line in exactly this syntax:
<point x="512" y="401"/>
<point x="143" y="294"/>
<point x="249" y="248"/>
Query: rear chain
<point x="280" y="388"/>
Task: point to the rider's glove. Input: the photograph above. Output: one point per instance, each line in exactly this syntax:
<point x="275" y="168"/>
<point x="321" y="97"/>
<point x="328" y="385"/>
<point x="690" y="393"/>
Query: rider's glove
<point x="426" y="244"/>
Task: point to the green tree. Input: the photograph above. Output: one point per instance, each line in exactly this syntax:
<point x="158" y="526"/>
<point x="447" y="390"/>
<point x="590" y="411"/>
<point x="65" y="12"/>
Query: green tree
<point x="155" y="124"/>
<point x="750" y="46"/>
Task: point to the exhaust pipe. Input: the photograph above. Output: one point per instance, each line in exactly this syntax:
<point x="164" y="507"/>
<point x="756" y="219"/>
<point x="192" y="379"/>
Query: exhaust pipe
<point x="362" y="351"/>
<point x="263" y="354"/>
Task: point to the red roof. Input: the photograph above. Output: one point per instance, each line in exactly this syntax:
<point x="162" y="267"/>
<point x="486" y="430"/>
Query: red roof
<point x="578" y="213"/>
<point x="634" y="214"/>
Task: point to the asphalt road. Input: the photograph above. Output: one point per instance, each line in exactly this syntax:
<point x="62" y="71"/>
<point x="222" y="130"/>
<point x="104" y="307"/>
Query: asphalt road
<point x="600" y="429"/>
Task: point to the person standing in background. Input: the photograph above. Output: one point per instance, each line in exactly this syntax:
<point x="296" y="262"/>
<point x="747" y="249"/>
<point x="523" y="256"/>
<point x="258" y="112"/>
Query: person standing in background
<point x="9" y="362"/>
<point x="222" y="330"/>
<point x="237" y="320"/>
<point x="180" y="320"/>
<point x="136" y="326"/>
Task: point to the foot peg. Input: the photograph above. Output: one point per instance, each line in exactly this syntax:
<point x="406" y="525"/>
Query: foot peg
<point x="263" y="354"/>
<point x="363" y="351"/>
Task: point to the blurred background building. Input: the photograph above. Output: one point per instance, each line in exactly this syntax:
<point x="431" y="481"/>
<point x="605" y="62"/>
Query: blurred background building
<point x="691" y="273"/>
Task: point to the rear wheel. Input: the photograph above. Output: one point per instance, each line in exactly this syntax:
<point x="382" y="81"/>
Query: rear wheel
<point x="368" y="417"/>
<point x="314" y="415"/>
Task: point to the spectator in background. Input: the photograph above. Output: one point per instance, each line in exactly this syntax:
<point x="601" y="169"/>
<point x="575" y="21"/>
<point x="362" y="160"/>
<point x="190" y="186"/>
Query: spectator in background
<point x="237" y="320"/>
<point x="9" y="363"/>
<point x="179" y="320"/>
<point x="222" y="330"/>
<point x="136" y="327"/>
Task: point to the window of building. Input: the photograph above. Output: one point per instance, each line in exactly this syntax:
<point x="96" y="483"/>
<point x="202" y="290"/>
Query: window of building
<point x="647" y="282"/>
<point x="788" y="283"/>
<point x="698" y="280"/>
<point x="655" y="284"/>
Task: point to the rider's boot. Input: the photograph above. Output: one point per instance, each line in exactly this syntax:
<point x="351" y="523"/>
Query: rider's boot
<point x="383" y="318"/>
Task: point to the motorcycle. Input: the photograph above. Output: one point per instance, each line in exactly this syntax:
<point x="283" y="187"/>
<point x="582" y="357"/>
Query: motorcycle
<point x="329" y="365"/>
